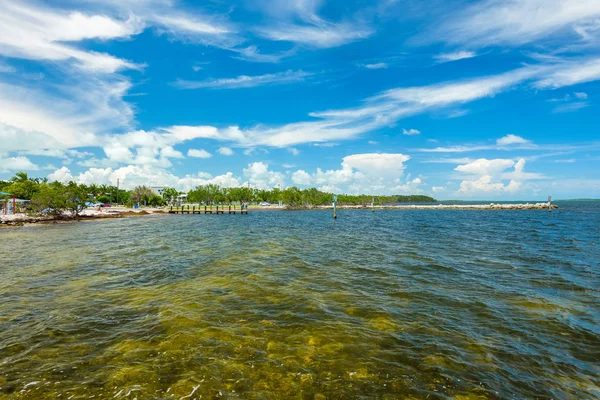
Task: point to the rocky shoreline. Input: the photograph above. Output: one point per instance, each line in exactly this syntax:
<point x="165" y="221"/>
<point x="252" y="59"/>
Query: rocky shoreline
<point x="85" y="215"/>
<point x="491" y="206"/>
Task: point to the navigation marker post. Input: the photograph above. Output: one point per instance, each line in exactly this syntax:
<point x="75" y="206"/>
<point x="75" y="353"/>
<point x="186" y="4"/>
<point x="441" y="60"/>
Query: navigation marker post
<point x="373" y="204"/>
<point x="334" y="206"/>
<point x="549" y="203"/>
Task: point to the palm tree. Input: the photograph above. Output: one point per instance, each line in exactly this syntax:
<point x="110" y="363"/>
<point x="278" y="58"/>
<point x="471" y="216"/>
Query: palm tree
<point x="20" y="177"/>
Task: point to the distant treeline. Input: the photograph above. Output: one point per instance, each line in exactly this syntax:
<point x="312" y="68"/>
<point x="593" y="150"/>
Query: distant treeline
<point x="292" y="196"/>
<point x="58" y="197"/>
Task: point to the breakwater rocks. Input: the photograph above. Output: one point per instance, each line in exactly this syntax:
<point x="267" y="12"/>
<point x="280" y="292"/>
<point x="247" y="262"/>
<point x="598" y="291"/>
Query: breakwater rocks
<point x="491" y="206"/>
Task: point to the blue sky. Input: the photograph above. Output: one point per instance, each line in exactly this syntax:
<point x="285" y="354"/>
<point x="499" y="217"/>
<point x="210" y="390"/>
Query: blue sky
<point x="456" y="99"/>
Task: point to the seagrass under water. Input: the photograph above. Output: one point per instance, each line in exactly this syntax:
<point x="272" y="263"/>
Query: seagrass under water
<point x="392" y="304"/>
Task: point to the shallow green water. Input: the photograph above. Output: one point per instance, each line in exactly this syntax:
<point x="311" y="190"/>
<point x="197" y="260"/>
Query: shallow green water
<point x="395" y="304"/>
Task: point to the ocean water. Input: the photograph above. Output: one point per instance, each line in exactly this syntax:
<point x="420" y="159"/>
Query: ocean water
<point x="410" y="304"/>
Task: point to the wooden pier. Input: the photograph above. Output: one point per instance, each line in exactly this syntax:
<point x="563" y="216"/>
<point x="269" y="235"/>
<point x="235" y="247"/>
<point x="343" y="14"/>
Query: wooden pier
<point x="209" y="209"/>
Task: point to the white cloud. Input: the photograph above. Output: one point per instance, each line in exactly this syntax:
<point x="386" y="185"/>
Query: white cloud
<point x="515" y="22"/>
<point x="67" y="116"/>
<point x="261" y="177"/>
<point x="301" y="177"/>
<point x="581" y="95"/>
<point x="482" y="184"/>
<point x="134" y="175"/>
<point x="567" y="160"/>
<point x="170" y="152"/>
<point x="61" y="175"/>
<point x="570" y="73"/>
<point x="483" y="166"/>
<point x="299" y="22"/>
<point x="379" y="65"/>
<point x="411" y="132"/>
<point x="321" y="35"/>
<point x="508" y="142"/>
<point x="294" y="151"/>
<point x="44" y="34"/>
<point x="563" y="108"/>
<point x="511" y="139"/>
<point x="201" y="153"/>
<point x="373" y="173"/>
<point x="225" y="151"/>
<point x="491" y="176"/>
<point x="6" y="69"/>
<point x="455" y="56"/>
<point x="463" y="160"/>
<point x="17" y="164"/>
<point x="244" y="81"/>
<point x="437" y="189"/>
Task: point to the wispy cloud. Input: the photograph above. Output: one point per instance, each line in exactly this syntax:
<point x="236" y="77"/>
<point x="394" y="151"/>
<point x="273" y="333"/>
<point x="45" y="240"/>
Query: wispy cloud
<point x="565" y="160"/>
<point x="390" y="106"/>
<point x="300" y="23"/>
<point x="7" y="69"/>
<point x="37" y="33"/>
<point x="245" y="81"/>
<point x="322" y="34"/>
<point x="379" y="65"/>
<point x="570" y="107"/>
<point x="515" y="22"/>
<point x="455" y="56"/>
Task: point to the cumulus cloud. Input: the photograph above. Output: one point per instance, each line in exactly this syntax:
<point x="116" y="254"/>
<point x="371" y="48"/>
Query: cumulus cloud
<point x="483" y="166"/>
<point x="198" y="153"/>
<point x="494" y="176"/>
<point x="301" y="177"/>
<point x="511" y="139"/>
<point x="17" y="164"/>
<point x="411" y="132"/>
<point x="260" y="177"/>
<point x="131" y="176"/>
<point x="374" y="173"/>
<point x="225" y="151"/>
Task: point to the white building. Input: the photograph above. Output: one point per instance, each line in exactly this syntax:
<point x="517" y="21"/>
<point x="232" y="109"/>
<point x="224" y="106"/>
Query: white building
<point x="158" y="190"/>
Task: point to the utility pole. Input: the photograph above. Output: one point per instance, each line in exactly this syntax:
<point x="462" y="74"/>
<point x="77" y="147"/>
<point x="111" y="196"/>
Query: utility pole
<point x="117" y="191"/>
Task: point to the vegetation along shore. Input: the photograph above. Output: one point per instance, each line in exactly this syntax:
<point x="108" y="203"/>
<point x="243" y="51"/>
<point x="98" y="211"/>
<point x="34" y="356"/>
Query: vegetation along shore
<point x="32" y="200"/>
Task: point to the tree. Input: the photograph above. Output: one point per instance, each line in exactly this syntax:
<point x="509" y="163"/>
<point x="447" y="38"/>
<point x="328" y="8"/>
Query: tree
<point x="50" y="199"/>
<point x="141" y="194"/>
<point x="23" y="187"/>
<point x="76" y="197"/>
<point x="170" y="194"/>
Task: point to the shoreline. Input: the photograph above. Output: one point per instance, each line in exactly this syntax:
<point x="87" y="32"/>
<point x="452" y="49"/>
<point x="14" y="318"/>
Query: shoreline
<point x="122" y="212"/>
<point x="491" y="206"/>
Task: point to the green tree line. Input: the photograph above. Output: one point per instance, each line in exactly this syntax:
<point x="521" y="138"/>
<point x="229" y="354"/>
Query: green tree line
<point x="292" y="196"/>
<point x="56" y="197"/>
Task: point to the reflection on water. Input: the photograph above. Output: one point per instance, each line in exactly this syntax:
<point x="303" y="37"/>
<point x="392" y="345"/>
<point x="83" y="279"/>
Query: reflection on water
<point x="392" y="304"/>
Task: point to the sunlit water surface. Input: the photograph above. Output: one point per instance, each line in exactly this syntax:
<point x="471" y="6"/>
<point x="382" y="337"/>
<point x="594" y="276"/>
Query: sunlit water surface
<point x="393" y="304"/>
